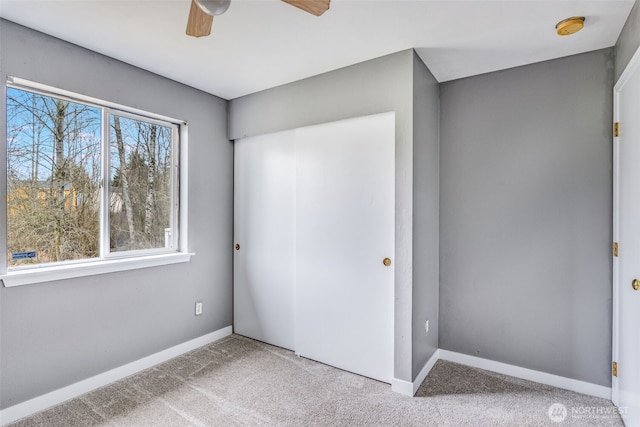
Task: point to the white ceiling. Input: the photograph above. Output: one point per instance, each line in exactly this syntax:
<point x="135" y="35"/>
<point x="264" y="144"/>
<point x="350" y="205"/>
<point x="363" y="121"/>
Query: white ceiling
<point x="258" y="44"/>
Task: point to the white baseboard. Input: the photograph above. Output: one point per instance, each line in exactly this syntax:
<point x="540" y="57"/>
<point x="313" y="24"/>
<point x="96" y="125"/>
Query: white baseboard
<point x="410" y="388"/>
<point x="406" y="388"/>
<point x="528" y="374"/>
<point x="56" y="397"/>
<point x="425" y="371"/>
<point x="402" y="387"/>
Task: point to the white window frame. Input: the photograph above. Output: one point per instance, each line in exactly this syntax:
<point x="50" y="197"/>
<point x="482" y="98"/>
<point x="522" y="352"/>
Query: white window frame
<point x="109" y="261"/>
<point x="105" y="249"/>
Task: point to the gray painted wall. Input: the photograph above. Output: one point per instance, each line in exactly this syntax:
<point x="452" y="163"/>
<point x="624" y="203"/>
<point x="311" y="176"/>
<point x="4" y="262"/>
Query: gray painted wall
<point x="380" y="85"/>
<point x="55" y="334"/>
<point x="426" y="174"/>
<point x="526" y="176"/>
<point x="376" y="86"/>
<point x="629" y="40"/>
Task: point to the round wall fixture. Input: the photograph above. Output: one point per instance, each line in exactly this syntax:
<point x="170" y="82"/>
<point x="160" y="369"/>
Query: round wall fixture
<point x="570" y="25"/>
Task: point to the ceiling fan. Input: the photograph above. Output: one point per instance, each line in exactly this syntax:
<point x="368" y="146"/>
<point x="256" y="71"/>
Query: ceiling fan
<point x="202" y="12"/>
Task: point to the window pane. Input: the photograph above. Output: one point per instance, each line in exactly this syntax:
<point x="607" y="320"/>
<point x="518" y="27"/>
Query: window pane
<point x="140" y="185"/>
<point x="53" y="176"/>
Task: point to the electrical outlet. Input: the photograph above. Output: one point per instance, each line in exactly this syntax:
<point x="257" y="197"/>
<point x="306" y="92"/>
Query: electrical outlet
<point x="426" y="327"/>
<point x="198" y="308"/>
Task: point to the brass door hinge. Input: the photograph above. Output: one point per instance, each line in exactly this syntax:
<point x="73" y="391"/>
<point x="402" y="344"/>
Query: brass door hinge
<point x="615" y="248"/>
<point x="616" y="129"/>
<point x="614" y="369"/>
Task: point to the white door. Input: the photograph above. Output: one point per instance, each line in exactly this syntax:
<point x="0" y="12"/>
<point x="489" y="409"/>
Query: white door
<point x="264" y="233"/>
<point x="345" y="229"/>
<point x="626" y="267"/>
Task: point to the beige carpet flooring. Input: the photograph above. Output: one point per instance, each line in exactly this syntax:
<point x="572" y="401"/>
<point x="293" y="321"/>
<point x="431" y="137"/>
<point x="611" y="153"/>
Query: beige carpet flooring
<point x="240" y="382"/>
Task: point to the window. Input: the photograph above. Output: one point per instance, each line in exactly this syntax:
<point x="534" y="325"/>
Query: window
<point x="141" y="172"/>
<point x="87" y="181"/>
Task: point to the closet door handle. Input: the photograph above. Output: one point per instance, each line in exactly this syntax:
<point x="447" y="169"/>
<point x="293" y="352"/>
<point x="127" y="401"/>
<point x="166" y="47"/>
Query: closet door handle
<point x="386" y="262"/>
<point x="237" y="246"/>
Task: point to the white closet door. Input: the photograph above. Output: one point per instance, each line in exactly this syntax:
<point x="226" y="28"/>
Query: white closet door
<point x="626" y="266"/>
<point x="345" y="229"/>
<point x="264" y="229"/>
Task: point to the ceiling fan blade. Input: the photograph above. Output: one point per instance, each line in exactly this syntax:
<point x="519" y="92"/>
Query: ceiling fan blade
<point x="314" y="7"/>
<point x="199" y="23"/>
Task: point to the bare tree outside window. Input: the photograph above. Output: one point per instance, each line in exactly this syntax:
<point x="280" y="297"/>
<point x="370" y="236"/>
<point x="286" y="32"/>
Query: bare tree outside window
<point x="140" y="184"/>
<point x="55" y="199"/>
<point x="53" y="178"/>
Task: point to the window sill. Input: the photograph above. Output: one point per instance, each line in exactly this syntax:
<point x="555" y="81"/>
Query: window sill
<point x="70" y="271"/>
